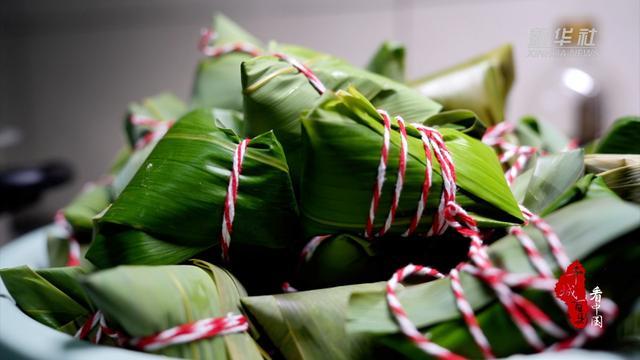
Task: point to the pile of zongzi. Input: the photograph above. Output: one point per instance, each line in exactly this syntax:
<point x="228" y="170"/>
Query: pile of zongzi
<point x="280" y="211"/>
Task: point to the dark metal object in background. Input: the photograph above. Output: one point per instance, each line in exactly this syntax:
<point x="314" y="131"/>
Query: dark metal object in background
<point x="22" y="186"/>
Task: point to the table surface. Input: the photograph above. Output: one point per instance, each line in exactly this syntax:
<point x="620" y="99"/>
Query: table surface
<point x="24" y="338"/>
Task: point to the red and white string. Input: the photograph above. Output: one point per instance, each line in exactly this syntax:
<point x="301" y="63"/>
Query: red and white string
<point x="523" y="312"/>
<point x="303" y="69"/>
<point x="185" y="333"/>
<point x="494" y="136"/>
<point x="74" y="255"/>
<point x="305" y="255"/>
<point x="407" y="327"/>
<point x="449" y="213"/>
<point x="231" y="198"/>
<point x="197" y="330"/>
<point x="158" y="128"/>
<point x="97" y="320"/>
<point x="310" y="248"/>
<point x="207" y="36"/>
<point x="380" y="177"/>
<point x="426" y="186"/>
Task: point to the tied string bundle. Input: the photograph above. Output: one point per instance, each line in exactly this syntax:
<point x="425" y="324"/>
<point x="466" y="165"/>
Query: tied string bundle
<point x="207" y="36"/>
<point x="65" y="228"/>
<point x="204" y="328"/>
<point x="157" y="129"/>
<point x="231" y="198"/>
<point x="495" y="136"/>
<point x="73" y="256"/>
<point x="204" y="45"/>
<point x="520" y="154"/>
<point x="450" y="214"/>
<point x="181" y="334"/>
<point x="197" y="330"/>
<point x="522" y="311"/>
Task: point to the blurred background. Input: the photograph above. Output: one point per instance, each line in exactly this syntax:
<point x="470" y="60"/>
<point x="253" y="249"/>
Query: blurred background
<point x="69" y="68"/>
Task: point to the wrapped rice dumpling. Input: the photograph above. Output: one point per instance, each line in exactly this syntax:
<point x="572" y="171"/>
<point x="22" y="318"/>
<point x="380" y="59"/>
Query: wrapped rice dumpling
<point x="354" y="322"/>
<point x="616" y="158"/>
<point x="276" y="95"/>
<point x="79" y="213"/>
<point x="144" y="118"/>
<point x="480" y="84"/>
<point x="145" y="124"/>
<point x="623" y="137"/>
<point x="328" y="261"/>
<point x="217" y="80"/>
<point x="545" y="137"/>
<point x="342" y="139"/>
<point x="173" y="207"/>
<point x="229" y="119"/>
<point x="346" y="259"/>
<point x="602" y="244"/>
<point x="141" y="301"/>
<point x="311" y="324"/>
<point x="389" y="61"/>
<point x="52" y="297"/>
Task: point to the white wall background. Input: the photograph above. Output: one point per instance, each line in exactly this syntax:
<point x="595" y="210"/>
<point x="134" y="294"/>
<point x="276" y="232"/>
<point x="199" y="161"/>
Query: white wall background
<point x="69" y="68"/>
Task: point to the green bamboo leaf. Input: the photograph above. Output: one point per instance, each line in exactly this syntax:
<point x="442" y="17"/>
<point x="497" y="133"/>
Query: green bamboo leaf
<point x="541" y="135"/>
<point x="50" y="296"/>
<point x="276" y="95"/>
<point x="217" y="80"/>
<point x="623" y="137"/>
<point x="172" y="208"/>
<point x="340" y="260"/>
<point x="389" y="61"/>
<point x="549" y="178"/>
<point x="464" y="121"/>
<point x="480" y="84"/>
<point x="120" y="159"/>
<point x="80" y="212"/>
<point x="58" y="250"/>
<point x="610" y="259"/>
<point x="229" y="119"/>
<point x="346" y="259"/>
<point x="144" y="300"/>
<point x="342" y="139"/>
<point x="583" y="228"/>
<point x="576" y="192"/>
<point x="310" y="324"/>
<point x="163" y="107"/>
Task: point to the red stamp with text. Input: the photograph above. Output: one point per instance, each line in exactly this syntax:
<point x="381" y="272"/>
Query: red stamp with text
<point x="571" y="290"/>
